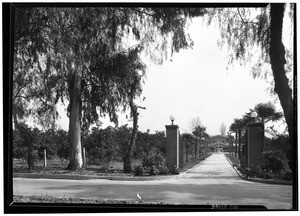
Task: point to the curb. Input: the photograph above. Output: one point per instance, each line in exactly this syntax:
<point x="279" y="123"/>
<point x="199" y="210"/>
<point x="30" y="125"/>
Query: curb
<point x="237" y="171"/>
<point x="259" y="180"/>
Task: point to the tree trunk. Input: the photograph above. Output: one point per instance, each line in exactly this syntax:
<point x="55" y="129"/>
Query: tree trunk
<point x="129" y="150"/>
<point x="76" y="161"/>
<point x="28" y="141"/>
<point x="186" y="152"/>
<point x="235" y="148"/>
<point x="239" y="149"/>
<point x="277" y="57"/>
<point x="127" y="163"/>
<point x="196" y="145"/>
<point x="30" y="157"/>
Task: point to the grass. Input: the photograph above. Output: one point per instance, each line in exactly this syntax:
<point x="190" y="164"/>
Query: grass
<point x="114" y="168"/>
<point x="234" y="160"/>
<point x="59" y="166"/>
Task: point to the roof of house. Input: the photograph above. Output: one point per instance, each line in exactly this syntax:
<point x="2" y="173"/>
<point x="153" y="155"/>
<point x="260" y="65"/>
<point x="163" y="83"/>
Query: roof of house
<point x="218" y="145"/>
<point x="218" y="136"/>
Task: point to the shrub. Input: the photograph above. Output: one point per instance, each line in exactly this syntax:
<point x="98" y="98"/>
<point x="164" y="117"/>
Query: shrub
<point x="63" y="144"/>
<point x="274" y="161"/>
<point x="100" y="146"/>
<point x="163" y="170"/>
<point x="146" y="141"/>
<point x="176" y="170"/>
<point x="285" y="175"/>
<point x="22" y="141"/>
<point x="153" y="163"/>
<point x="154" y="171"/>
<point x="153" y="158"/>
<point x="139" y="171"/>
<point x="107" y="168"/>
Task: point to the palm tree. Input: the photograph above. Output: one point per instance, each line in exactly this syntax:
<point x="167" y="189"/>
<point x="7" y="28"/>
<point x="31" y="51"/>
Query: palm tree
<point x="187" y="138"/>
<point x="230" y="140"/>
<point x="265" y="112"/>
<point x="233" y="128"/>
<point x="198" y="132"/>
<point x="239" y="127"/>
<point x="205" y="136"/>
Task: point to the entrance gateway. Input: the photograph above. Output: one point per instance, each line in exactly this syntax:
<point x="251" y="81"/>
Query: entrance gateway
<point x="250" y="154"/>
<point x="174" y="148"/>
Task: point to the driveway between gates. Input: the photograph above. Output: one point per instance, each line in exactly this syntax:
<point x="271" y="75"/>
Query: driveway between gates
<point x="216" y="168"/>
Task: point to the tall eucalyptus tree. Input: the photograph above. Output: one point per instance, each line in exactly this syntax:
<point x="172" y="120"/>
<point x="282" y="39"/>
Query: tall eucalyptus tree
<point x="85" y="55"/>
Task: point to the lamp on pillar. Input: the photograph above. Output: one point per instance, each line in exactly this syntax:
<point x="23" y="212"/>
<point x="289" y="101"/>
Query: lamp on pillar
<point x="172" y="118"/>
<point x="254" y="115"/>
<point x="174" y="156"/>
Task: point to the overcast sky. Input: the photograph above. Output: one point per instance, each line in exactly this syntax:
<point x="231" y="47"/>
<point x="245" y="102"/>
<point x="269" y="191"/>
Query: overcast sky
<point x="196" y="84"/>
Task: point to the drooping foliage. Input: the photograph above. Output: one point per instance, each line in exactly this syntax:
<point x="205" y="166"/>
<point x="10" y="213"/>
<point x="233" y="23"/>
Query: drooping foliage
<point x="246" y="34"/>
<point x="259" y="36"/>
<point x="87" y="56"/>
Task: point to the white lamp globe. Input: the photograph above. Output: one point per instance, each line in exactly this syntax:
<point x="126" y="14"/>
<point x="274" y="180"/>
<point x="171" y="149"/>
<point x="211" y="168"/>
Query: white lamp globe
<point x="172" y="118"/>
<point x="254" y="114"/>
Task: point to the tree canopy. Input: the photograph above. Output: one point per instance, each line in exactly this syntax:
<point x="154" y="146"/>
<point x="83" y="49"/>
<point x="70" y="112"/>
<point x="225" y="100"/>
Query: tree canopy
<point x="84" y="55"/>
<point x="265" y="112"/>
<point x="53" y="42"/>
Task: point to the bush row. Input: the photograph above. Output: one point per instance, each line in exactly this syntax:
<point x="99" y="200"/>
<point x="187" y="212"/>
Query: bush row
<point x="101" y="145"/>
<point x="274" y="165"/>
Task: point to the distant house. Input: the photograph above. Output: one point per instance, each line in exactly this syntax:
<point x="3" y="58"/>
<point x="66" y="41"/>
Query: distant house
<point x="218" y="143"/>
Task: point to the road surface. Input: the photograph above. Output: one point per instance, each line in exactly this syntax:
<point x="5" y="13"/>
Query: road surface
<point x="214" y="181"/>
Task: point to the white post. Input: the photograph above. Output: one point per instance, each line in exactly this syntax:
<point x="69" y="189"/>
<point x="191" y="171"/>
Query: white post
<point x="83" y="155"/>
<point x="45" y="158"/>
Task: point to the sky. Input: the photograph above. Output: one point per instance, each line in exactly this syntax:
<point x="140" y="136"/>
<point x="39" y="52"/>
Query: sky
<point x="195" y="83"/>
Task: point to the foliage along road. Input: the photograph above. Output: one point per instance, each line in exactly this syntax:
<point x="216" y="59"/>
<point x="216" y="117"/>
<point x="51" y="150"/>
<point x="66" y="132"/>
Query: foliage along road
<point x="212" y="182"/>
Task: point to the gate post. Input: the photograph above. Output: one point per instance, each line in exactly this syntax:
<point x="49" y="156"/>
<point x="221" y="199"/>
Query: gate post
<point x="255" y="139"/>
<point x="172" y="148"/>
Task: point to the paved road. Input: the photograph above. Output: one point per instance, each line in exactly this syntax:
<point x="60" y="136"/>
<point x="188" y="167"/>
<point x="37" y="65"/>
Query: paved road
<point x="214" y="181"/>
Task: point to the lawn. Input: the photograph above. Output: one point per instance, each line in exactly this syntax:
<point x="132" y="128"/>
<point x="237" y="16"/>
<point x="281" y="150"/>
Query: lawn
<point x="59" y="166"/>
<point x="114" y="168"/>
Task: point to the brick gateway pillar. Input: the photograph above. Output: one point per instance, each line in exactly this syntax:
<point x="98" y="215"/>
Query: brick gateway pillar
<point x="173" y="150"/>
<point x="255" y="139"/>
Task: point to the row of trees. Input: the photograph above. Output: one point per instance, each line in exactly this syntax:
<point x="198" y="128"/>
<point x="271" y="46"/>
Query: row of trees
<point x="102" y="145"/>
<point x="90" y="57"/>
<point x="191" y="141"/>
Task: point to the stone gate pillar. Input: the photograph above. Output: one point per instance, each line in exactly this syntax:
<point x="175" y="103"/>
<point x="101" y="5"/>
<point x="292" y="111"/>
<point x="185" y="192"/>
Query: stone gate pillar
<point x="255" y="139"/>
<point x="172" y="148"/>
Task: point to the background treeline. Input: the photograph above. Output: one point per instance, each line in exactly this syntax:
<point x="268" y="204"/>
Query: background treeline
<point x="102" y="146"/>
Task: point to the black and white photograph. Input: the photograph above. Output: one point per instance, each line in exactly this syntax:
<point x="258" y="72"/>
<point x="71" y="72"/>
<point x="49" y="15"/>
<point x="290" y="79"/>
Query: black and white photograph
<point x="149" y="107"/>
